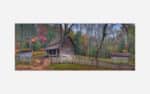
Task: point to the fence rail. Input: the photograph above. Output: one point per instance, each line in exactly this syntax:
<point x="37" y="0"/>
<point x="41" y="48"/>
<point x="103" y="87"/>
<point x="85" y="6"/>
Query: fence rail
<point x="72" y="60"/>
<point x="89" y="61"/>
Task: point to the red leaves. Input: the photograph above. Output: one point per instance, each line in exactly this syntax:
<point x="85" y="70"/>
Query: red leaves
<point x="42" y="38"/>
<point x="42" y="32"/>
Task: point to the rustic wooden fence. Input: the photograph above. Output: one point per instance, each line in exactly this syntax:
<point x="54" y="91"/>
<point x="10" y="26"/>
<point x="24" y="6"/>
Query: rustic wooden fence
<point x="72" y="60"/>
<point x="89" y="61"/>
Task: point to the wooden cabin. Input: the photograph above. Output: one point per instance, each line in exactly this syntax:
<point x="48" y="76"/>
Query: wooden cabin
<point x="61" y="48"/>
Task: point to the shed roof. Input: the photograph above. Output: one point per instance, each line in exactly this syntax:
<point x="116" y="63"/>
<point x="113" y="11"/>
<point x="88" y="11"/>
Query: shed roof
<point x="120" y="54"/>
<point x="53" y="46"/>
<point x="58" y="44"/>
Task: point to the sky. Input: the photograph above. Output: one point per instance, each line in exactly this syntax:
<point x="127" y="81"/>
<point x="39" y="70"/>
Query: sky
<point x="116" y="27"/>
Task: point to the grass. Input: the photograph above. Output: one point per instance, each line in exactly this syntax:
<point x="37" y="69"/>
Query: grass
<point x="75" y="67"/>
<point x="25" y="66"/>
<point x="38" y="53"/>
<point x="22" y="63"/>
<point x="107" y="60"/>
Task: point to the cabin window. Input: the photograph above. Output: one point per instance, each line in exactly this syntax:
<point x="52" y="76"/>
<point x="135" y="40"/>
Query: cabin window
<point x="53" y="52"/>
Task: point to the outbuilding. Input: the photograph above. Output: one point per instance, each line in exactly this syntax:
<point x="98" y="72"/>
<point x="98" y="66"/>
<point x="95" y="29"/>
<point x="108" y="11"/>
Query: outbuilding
<point x="120" y="57"/>
<point x="24" y="56"/>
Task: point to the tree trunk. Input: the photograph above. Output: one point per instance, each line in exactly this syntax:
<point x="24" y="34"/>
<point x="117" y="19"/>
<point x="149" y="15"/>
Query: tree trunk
<point x="101" y="43"/>
<point x="97" y="52"/>
<point x="61" y="33"/>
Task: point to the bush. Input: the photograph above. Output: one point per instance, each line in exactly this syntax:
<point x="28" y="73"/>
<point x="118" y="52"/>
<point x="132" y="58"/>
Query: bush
<point x="121" y="45"/>
<point x="92" y="52"/>
<point x="24" y="45"/>
<point x="36" y="45"/>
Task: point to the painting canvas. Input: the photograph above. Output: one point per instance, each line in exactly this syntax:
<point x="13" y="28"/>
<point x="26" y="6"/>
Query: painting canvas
<point x="75" y="46"/>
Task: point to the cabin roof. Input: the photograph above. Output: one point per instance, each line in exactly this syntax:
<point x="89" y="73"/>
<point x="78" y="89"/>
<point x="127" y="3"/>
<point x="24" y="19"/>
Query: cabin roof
<point x="58" y="44"/>
<point x="53" y="46"/>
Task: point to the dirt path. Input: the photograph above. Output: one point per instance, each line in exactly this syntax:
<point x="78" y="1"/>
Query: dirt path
<point x="37" y="64"/>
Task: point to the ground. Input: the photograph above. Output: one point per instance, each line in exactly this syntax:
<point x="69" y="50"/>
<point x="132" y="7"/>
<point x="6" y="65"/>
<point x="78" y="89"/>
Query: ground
<point x="37" y="65"/>
<point x="60" y="67"/>
<point x="76" y="67"/>
<point x="39" y="62"/>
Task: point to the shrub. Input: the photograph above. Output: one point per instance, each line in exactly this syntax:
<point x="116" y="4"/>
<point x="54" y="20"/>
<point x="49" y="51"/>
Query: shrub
<point x="36" y="45"/>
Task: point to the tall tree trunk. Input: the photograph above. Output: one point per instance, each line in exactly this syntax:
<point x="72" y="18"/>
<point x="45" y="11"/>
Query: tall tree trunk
<point x="22" y="35"/>
<point x="125" y="30"/>
<point x="61" y="33"/>
<point x="65" y="31"/>
<point x="100" y="45"/>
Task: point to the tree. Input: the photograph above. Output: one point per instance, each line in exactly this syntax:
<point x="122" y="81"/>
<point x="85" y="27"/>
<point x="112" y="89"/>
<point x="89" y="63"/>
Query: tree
<point x="24" y="45"/>
<point x="92" y="51"/>
<point x="36" y="45"/>
<point x="64" y="29"/>
<point x="131" y="41"/>
<point x="77" y="42"/>
<point x="72" y="35"/>
<point x="99" y="44"/>
<point x="84" y="43"/>
<point x="50" y="35"/>
<point x="121" y="45"/>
